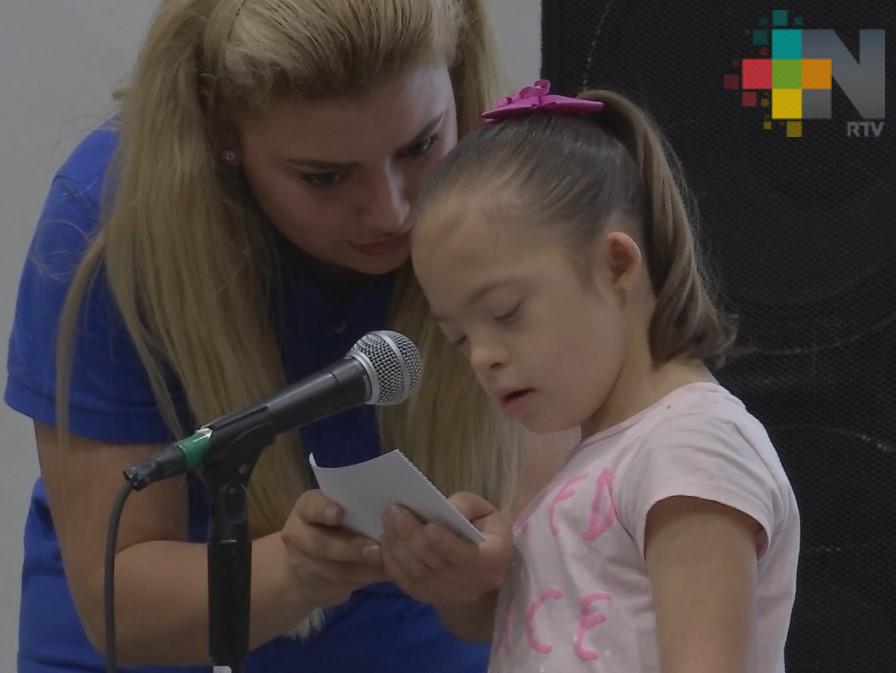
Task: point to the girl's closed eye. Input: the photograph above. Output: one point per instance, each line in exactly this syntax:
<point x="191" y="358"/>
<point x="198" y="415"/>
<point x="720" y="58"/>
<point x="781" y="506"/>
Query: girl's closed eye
<point x="510" y="316"/>
<point x="453" y="337"/>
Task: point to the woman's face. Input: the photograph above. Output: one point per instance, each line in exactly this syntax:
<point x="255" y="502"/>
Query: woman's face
<point x="338" y="176"/>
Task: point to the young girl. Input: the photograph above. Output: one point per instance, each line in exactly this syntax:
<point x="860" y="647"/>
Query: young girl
<point x="556" y="251"/>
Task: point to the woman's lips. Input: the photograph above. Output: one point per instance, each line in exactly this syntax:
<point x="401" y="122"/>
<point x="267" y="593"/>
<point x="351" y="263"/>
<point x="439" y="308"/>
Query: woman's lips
<point x="382" y="247"/>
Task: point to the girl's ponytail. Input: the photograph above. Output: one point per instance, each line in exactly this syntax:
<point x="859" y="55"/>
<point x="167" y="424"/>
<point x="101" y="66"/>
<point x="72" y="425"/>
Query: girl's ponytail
<point x="686" y="321"/>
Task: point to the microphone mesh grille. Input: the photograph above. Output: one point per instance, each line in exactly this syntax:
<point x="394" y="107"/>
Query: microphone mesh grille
<point x="396" y="365"/>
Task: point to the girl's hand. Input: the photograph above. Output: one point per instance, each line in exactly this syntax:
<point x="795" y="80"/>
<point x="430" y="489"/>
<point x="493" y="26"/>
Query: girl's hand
<point x="328" y="561"/>
<point x="435" y="565"/>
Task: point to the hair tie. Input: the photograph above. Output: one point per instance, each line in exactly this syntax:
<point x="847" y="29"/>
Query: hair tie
<point x="538" y="97"/>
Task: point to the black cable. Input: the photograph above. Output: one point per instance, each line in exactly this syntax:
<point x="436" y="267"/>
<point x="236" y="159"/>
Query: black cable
<point x="109" y="578"/>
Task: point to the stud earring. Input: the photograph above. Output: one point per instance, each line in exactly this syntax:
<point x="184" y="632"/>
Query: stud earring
<point x="229" y="156"/>
<point x="622" y="294"/>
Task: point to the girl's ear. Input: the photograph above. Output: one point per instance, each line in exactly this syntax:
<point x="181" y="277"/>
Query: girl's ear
<point x="619" y="262"/>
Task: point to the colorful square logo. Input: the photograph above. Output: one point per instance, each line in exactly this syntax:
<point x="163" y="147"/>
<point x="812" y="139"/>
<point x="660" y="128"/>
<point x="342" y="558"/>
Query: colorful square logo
<point x="789" y="76"/>
<point x="782" y="79"/>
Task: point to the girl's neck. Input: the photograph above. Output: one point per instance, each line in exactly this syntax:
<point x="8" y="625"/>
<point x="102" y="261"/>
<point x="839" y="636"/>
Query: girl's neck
<point x="639" y="385"/>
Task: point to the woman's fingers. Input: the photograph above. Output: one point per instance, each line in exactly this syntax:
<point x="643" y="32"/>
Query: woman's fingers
<point x="315" y="531"/>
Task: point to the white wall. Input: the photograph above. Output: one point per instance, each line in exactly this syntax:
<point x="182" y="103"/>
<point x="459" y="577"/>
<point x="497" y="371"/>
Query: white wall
<point x="59" y="60"/>
<point x="518" y="28"/>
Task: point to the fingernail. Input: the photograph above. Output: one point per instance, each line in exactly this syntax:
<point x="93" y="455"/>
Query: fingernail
<point x="371" y="553"/>
<point x="331" y="514"/>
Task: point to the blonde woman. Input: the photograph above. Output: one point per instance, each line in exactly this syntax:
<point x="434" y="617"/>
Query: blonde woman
<point x="239" y="224"/>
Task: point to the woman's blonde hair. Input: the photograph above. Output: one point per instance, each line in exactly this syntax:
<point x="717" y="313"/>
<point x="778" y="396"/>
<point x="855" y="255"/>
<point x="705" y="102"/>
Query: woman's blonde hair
<point x="574" y="172"/>
<point x="184" y="248"/>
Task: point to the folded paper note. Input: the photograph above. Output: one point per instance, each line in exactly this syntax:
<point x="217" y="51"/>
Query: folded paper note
<point x="366" y="490"/>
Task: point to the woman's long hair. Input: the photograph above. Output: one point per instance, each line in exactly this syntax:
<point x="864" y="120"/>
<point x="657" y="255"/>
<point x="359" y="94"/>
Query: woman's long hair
<point x="183" y="245"/>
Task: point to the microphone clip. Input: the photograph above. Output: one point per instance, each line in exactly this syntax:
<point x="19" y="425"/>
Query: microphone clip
<point x="237" y="441"/>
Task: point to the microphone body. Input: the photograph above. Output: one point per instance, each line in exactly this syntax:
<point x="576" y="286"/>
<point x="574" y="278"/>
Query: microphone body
<point x="343" y="385"/>
<point x="382" y="367"/>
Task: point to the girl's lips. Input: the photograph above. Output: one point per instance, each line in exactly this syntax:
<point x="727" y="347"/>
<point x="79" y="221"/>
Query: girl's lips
<point x="514" y="402"/>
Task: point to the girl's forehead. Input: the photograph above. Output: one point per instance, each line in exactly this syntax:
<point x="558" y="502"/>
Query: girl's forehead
<point x="464" y="230"/>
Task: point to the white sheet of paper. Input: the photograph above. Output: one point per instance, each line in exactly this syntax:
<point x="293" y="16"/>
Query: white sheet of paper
<point x="366" y="490"/>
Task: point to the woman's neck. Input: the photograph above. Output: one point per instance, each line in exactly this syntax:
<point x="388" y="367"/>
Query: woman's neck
<point x="337" y="277"/>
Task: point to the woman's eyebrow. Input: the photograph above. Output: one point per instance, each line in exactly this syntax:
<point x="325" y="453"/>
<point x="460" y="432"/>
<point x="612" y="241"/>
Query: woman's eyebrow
<point x="424" y="133"/>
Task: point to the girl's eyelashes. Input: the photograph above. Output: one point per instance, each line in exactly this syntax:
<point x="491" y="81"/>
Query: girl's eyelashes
<point x="453" y="338"/>
<point x="509" y="316"/>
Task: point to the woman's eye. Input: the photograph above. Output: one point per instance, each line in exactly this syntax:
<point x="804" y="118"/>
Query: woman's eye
<point x="421" y="148"/>
<point x="324" y="180"/>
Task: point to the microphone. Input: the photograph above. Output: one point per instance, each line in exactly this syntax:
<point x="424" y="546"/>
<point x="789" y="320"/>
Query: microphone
<point x="381" y="368"/>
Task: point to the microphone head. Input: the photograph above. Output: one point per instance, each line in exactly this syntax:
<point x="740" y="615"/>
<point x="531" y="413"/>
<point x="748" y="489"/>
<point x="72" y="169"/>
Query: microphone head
<point x="393" y="366"/>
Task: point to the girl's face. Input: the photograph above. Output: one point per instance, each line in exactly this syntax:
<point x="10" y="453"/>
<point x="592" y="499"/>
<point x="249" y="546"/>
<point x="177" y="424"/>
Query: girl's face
<point x="337" y="176"/>
<point x="547" y="338"/>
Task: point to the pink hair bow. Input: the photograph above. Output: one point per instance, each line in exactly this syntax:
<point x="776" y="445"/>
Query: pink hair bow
<point x="538" y="97"/>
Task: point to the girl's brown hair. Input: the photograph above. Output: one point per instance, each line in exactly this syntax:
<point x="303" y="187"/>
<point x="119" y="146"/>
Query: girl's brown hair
<point x="575" y="172"/>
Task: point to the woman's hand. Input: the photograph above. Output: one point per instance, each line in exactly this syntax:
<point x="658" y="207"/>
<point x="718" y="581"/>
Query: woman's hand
<point x="436" y="566"/>
<point x="328" y="561"/>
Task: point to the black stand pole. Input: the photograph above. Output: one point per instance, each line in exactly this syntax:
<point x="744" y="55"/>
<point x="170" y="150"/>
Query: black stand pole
<point x="234" y="450"/>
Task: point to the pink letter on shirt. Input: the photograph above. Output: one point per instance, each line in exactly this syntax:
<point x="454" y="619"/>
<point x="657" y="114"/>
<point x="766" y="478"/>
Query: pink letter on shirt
<point x="597" y="528"/>
<point x="587" y="623"/>
<point x="565" y="493"/>
<point x="534" y="643"/>
<point x="522" y="521"/>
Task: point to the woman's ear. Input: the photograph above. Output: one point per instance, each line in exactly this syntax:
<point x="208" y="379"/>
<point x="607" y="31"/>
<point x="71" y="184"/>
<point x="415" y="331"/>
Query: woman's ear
<point x="227" y="145"/>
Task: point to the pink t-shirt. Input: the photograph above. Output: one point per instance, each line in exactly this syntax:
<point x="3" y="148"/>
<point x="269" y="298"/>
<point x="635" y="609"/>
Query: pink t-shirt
<point x="578" y="598"/>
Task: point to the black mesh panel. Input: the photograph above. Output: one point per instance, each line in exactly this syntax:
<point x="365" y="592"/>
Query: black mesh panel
<point x="800" y="231"/>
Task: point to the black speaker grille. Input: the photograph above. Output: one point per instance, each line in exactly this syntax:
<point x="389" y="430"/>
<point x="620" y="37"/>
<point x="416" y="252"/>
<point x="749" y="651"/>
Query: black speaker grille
<point x="800" y="232"/>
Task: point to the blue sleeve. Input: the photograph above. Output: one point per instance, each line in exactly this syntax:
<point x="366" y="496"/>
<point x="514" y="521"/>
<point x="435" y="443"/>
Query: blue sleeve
<point x="110" y="399"/>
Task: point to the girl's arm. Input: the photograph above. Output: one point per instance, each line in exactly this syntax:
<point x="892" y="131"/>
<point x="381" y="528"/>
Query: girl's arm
<point x="702" y="558"/>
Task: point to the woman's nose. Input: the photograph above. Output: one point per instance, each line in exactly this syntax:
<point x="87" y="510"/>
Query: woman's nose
<point x="387" y="208"/>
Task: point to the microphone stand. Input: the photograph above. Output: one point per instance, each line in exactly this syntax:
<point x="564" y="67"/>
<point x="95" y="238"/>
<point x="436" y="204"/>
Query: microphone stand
<point x="236" y="444"/>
